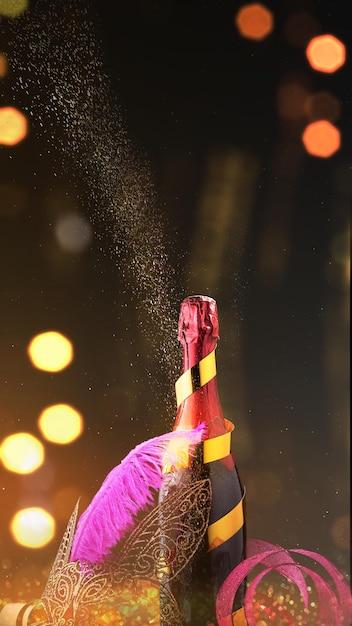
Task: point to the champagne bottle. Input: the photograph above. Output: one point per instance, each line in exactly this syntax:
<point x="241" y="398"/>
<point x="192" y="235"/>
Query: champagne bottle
<point x="199" y="403"/>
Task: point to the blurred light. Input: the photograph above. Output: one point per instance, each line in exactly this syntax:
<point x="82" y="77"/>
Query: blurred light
<point x="176" y="455"/>
<point x="254" y="21"/>
<point x="22" y="453"/>
<point x="323" y="105"/>
<point x="321" y="139"/>
<point x="326" y="53"/>
<point x="73" y="232"/>
<point x="13" y="8"/>
<point x="291" y="100"/>
<point x="50" y="351"/>
<point x="3" y="65"/>
<point x="13" y="126"/>
<point x="13" y="199"/>
<point x="340" y="252"/>
<point x="300" y="28"/>
<point x="33" y="527"/>
<point x="340" y="532"/>
<point x="60" y="423"/>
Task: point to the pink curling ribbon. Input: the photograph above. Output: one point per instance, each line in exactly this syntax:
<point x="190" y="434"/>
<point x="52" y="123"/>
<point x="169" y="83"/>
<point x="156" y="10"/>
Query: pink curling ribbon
<point x="335" y="602"/>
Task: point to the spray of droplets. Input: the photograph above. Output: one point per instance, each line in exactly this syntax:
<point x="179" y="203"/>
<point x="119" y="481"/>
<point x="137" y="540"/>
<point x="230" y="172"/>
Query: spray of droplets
<point x="58" y="63"/>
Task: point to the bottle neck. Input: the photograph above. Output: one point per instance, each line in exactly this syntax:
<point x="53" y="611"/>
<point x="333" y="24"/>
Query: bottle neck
<point x="203" y="406"/>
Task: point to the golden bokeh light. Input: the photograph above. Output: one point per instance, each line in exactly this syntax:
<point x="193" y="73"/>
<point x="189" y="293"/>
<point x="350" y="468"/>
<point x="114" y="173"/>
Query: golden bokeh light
<point x="33" y="527"/>
<point x="322" y="105"/>
<point x="176" y="455"/>
<point x="50" y="351"/>
<point x="22" y="453"/>
<point x="254" y="21"/>
<point x="13" y="8"/>
<point x="60" y="423"/>
<point x="326" y="53"/>
<point x="13" y="126"/>
<point x="321" y="139"/>
<point x="3" y="65"/>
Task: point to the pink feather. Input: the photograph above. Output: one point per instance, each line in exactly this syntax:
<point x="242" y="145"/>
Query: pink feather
<point x="127" y="489"/>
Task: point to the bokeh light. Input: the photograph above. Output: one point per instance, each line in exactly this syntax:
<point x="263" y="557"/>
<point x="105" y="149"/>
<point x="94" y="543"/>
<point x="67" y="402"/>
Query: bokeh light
<point x="326" y="53"/>
<point x="341" y="532"/>
<point x="50" y="351"/>
<point x="13" y="126"/>
<point x="73" y="232"/>
<point x="22" y="453"/>
<point x="13" y="8"/>
<point x="291" y="98"/>
<point x="33" y="527"/>
<point x="322" y="105"/>
<point x="254" y="21"/>
<point x="321" y="139"/>
<point x="3" y="65"/>
<point x="60" y="423"/>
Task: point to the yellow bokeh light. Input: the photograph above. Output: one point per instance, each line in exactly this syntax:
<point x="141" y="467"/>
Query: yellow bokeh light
<point x="326" y="53"/>
<point x="13" y="8"/>
<point x="60" y="423"/>
<point x="22" y="453"/>
<point x="321" y="139"/>
<point x="254" y="21"/>
<point x="33" y="527"/>
<point x="3" y="65"/>
<point x="13" y="126"/>
<point x="176" y="455"/>
<point x="50" y="351"/>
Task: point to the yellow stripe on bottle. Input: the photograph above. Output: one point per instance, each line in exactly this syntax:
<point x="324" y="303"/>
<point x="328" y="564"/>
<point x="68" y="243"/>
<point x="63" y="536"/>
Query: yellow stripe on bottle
<point x="219" y="447"/>
<point x="214" y="449"/>
<point x="196" y="377"/>
<point x="226" y="527"/>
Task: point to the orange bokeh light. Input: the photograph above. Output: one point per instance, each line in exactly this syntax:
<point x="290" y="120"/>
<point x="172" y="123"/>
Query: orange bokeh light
<point x="326" y="53"/>
<point x="254" y="21"/>
<point x="3" y="65"/>
<point x="321" y="139"/>
<point x="13" y="126"/>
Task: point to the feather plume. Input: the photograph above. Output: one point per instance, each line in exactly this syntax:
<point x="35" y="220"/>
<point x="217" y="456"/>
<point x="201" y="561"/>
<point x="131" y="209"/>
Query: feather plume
<point x="128" y="488"/>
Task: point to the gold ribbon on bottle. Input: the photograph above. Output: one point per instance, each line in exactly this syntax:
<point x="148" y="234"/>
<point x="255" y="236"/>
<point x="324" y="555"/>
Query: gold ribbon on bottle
<point x="227" y="526"/>
<point x="219" y="447"/>
<point x="214" y="449"/>
<point x="195" y="377"/>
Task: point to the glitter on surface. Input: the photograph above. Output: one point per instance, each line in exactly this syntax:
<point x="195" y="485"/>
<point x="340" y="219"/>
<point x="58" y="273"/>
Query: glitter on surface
<point x="119" y="188"/>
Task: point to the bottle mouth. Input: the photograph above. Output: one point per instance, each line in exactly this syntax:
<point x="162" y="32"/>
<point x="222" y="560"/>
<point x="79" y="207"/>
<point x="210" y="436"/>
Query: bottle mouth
<point x="199" y="298"/>
<point x="198" y="317"/>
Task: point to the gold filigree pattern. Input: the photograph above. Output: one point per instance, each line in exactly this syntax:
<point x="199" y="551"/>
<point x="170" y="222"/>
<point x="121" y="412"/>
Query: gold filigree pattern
<point x="157" y="551"/>
<point x="166" y="540"/>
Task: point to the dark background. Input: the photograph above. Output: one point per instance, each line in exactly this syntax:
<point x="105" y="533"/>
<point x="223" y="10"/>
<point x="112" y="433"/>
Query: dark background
<point x="249" y="218"/>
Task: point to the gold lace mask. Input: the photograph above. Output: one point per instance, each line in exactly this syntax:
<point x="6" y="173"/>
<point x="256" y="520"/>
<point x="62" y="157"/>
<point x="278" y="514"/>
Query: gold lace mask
<point x="140" y="569"/>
